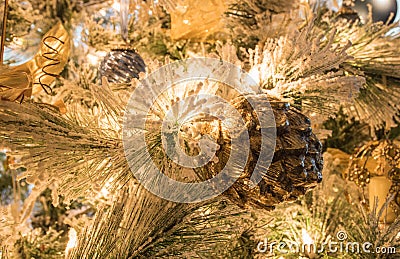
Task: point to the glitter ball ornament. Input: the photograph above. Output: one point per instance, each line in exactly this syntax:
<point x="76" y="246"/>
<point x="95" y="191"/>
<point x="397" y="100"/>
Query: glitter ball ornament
<point x="376" y="158"/>
<point x="377" y="165"/>
<point x="297" y="162"/>
<point x="394" y="174"/>
<point x="121" y="66"/>
<point x="395" y="191"/>
<point x="381" y="10"/>
<point x="359" y="175"/>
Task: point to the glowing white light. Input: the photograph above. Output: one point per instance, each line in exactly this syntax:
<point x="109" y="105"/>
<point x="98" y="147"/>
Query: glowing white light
<point x="335" y="5"/>
<point x="397" y="16"/>
<point x="104" y="191"/>
<point x="103" y="12"/>
<point x="93" y="59"/>
<point x="255" y="74"/>
<point x="72" y="240"/>
<point x="116" y="5"/>
<point x="307" y="240"/>
<point x="186" y="21"/>
<point x="18" y="41"/>
<point x="381" y="4"/>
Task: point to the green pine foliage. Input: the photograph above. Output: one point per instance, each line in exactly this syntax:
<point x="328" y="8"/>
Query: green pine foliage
<point x="319" y="65"/>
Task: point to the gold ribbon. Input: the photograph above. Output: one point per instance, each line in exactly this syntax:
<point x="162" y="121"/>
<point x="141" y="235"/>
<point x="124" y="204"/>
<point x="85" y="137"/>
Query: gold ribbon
<point x="19" y="82"/>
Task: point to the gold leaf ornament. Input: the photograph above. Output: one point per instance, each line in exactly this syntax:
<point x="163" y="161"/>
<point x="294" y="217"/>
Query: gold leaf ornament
<point x="14" y="85"/>
<point x="19" y="82"/>
<point x="193" y="19"/>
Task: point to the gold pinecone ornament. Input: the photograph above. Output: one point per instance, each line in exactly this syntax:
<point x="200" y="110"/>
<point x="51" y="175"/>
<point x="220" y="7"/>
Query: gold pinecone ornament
<point x="220" y="134"/>
<point x="297" y="160"/>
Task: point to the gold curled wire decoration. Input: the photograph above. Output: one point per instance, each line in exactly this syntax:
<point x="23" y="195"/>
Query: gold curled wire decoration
<point x="50" y="60"/>
<point x="54" y="62"/>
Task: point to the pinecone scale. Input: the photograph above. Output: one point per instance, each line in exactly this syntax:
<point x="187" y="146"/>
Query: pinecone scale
<point x="297" y="160"/>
